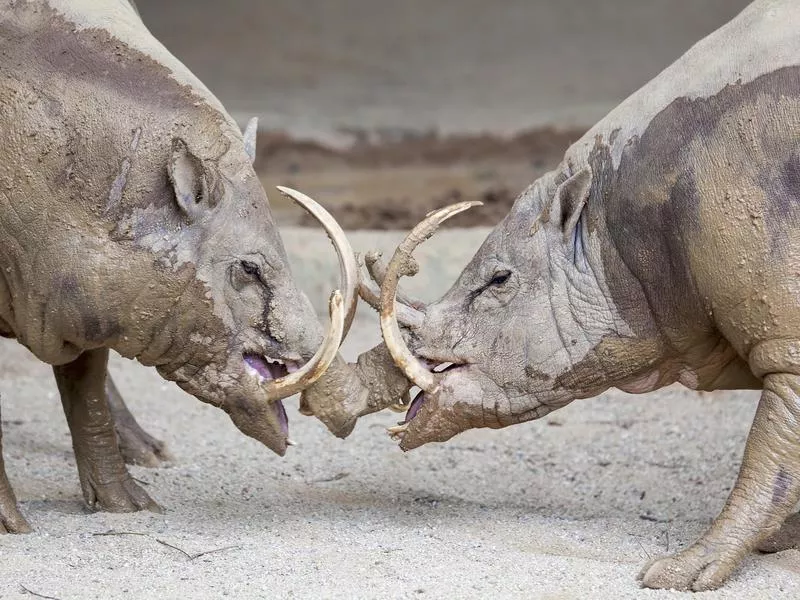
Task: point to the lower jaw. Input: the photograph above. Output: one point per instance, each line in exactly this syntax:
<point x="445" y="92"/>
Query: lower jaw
<point x="283" y="418"/>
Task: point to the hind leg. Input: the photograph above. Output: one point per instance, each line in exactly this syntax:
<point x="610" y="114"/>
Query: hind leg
<point x="137" y="446"/>
<point x="766" y="491"/>
<point x="11" y="520"/>
<point x="105" y="480"/>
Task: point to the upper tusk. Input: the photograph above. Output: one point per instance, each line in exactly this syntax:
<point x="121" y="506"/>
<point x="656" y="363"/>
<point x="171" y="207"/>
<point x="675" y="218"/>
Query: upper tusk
<point x="377" y="270"/>
<point x="348" y="265"/>
<point x="319" y="363"/>
<point x="410" y="317"/>
<point x="403" y="263"/>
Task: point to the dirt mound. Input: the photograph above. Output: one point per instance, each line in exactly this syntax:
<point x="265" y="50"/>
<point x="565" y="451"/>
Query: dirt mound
<point x="390" y="179"/>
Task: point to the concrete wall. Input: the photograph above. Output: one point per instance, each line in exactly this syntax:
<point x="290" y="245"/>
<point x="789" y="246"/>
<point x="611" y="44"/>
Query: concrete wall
<point x="313" y="66"/>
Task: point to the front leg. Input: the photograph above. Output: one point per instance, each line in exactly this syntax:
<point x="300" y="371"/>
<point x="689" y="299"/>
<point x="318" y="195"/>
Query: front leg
<point x="766" y="491"/>
<point x="105" y="480"/>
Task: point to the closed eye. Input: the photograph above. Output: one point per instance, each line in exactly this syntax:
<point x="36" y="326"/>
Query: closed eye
<point x="251" y="268"/>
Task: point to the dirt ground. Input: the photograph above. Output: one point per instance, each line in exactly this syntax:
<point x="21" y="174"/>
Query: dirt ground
<point x="568" y="507"/>
<point x="565" y="508"/>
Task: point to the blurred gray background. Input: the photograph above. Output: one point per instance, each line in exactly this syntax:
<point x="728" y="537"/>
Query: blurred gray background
<point x="314" y="66"/>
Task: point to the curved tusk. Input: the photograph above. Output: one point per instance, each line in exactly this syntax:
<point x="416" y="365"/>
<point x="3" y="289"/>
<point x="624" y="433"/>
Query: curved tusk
<point x="348" y="265"/>
<point x="370" y="294"/>
<point x="377" y="271"/>
<point x="319" y="363"/>
<point x="403" y="263"/>
<point x="410" y="317"/>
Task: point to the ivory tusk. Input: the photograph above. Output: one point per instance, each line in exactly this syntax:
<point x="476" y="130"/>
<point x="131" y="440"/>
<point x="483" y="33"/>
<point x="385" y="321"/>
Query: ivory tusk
<point x="377" y="271"/>
<point x="319" y="363"/>
<point x="348" y="265"/>
<point x="403" y="263"/>
<point x="410" y="317"/>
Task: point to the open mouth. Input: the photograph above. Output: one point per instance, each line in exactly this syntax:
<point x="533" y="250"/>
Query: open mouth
<point x="265" y="368"/>
<point x="416" y="404"/>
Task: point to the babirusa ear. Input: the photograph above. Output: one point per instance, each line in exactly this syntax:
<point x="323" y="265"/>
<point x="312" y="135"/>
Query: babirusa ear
<point x="187" y="175"/>
<point x="250" y="138"/>
<point x="570" y="198"/>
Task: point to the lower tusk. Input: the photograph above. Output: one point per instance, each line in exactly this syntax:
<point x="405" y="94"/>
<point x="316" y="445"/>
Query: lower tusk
<point x="397" y="431"/>
<point x="319" y="363"/>
<point x="403" y="263"/>
<point x="348" y="265"/>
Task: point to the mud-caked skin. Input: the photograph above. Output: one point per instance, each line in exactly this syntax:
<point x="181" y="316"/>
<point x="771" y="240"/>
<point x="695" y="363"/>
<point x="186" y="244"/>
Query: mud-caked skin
<point x="665" y="248"/>
<point x="132" y="220"/>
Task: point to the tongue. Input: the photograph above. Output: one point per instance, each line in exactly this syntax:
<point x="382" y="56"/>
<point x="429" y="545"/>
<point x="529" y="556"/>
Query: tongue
<point x="267" y="370"/>
<point x="415" y="406"/>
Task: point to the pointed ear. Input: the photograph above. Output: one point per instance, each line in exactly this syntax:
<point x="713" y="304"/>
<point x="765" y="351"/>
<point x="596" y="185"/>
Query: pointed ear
<point x="250" y="138"/>
<point x="188" y="177"/>
<point x="569" y="200"/>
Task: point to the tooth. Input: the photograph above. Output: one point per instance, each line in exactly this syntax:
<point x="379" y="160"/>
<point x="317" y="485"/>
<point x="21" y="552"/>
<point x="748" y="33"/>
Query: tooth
<point x="290" y="442"/>
<point x="398" y="431"/>
<point x="401" y="406"/>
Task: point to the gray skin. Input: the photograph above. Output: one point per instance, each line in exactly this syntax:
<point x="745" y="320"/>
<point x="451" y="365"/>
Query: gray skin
<point x="132" y="220"/>
<point x="663" y="249"/>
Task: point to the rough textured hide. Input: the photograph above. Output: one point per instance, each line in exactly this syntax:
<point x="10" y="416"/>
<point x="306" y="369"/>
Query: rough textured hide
<point x="132" y="220"/>
<point x="680" y="266"/>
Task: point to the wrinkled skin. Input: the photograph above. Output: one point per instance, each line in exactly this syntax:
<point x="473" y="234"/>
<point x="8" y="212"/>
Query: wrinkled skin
<point x="133" y="220"/>
<point x="663" y="249"/>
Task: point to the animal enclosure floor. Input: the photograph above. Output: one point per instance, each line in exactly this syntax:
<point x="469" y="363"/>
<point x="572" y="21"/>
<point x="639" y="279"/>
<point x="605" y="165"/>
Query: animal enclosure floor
<point x="567" y="507"/>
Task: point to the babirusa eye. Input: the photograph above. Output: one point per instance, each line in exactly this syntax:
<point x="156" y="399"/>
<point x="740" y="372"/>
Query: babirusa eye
<point x="251" y="268"/>
<point x="500" y="277"/>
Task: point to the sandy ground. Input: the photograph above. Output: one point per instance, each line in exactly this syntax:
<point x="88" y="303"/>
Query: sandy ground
<point x="567" y="507"/>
